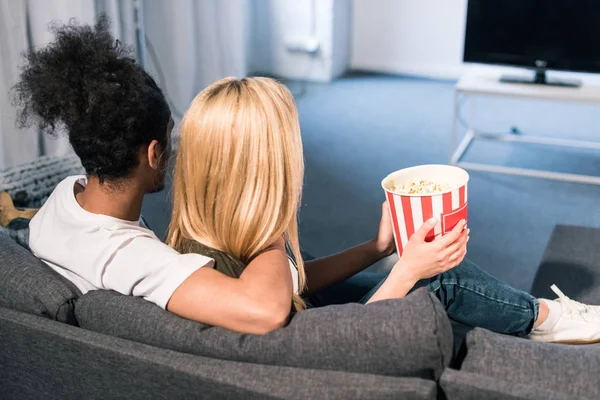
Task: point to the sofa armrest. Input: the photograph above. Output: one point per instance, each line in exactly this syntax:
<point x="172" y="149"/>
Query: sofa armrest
<point x="572" y="261"/>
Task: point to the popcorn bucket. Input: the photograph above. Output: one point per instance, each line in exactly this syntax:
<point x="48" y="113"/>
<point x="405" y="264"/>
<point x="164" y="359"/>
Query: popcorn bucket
<point x="409" y="211"/>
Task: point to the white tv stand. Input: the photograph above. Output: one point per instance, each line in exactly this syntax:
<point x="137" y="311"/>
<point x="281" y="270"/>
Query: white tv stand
<point x="488" y="84"/>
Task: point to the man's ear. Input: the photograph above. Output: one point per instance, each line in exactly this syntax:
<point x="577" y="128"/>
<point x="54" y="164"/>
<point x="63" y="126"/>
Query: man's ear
<point x="154" y="154"/>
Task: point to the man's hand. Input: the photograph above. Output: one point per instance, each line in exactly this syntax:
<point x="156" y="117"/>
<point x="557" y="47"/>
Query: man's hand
<point x="384" y="242"/>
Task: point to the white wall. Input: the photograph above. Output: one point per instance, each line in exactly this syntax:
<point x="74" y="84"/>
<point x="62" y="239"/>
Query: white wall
<point x="342" y="37"/>
<point x="415" y="37"/>
<point x="271" y="21"/>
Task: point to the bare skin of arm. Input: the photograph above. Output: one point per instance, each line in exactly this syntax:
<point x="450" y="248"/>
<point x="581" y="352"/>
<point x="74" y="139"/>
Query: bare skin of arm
<point x="327" y="271"/>
<point x="258" y="302"/>
<point x="421" y="260"/>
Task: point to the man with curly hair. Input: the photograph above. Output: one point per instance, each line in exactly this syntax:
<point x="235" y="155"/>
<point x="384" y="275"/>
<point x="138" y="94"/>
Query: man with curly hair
<point x="119" y="124"/>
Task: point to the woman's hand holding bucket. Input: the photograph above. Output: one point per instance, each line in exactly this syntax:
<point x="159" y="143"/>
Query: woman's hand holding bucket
<point x="440" y="243"/>
<point x="421" y="259"/>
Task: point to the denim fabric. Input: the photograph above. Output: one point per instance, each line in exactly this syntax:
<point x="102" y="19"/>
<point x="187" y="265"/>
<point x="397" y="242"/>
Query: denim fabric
<point x="473" y="297"/>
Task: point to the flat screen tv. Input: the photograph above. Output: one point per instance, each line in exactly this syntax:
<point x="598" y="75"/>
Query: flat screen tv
<point x="537" y="34"/>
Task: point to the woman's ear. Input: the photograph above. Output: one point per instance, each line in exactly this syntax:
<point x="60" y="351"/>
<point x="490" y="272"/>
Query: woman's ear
<point x="154" y="154"/>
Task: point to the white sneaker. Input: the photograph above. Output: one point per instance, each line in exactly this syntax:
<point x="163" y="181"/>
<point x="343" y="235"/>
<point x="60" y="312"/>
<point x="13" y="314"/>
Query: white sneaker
<point x="578" y="323"/>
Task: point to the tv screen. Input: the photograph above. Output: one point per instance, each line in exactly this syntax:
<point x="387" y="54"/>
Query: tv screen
<point x="542" y="34"/>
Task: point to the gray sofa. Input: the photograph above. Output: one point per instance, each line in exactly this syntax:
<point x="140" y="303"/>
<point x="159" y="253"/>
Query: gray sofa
<point x="58" y="344"/>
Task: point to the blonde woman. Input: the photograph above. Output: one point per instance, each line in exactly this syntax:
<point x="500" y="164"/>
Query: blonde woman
<point x="236" y="195"/>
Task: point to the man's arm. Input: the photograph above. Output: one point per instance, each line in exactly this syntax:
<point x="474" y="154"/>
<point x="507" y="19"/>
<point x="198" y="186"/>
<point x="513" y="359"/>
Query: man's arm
<point x="258" y="302"/>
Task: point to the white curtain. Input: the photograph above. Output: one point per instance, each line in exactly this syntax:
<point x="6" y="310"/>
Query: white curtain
<point x="41" y="14"/>
<point x="194" y="44"/>
<point x="187" y="44"/>
<point x="16" y="145"/>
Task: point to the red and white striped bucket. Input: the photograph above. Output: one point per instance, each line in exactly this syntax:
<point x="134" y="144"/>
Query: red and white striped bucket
<point x="409" y="211"/>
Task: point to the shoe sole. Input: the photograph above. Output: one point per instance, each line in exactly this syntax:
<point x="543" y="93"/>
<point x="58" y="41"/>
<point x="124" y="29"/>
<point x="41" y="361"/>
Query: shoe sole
<point x="577" y="342"/>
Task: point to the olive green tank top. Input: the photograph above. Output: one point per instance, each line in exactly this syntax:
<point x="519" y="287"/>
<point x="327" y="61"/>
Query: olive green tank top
<point x="224" y="263"/>
<point x="228" y="264"/>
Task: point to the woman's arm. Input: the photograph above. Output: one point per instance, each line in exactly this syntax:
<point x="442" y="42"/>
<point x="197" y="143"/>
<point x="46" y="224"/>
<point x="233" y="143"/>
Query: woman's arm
<point x="258" y="302"/>
<point x="327" y="271"/>
<point x="422" y="260"/>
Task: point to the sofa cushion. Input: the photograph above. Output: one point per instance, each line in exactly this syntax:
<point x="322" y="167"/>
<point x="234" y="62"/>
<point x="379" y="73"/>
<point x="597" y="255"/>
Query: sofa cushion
<point x="408" y="337"/>
<point x="571" y="261"/>
<point x="460" y="385"/>
<point x="29" y="285"/>
<point x="564" y="369"/>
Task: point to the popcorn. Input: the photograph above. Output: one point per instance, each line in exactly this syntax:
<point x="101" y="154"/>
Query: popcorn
<point x="421" y="187"/>
<point x="416" y="194"/>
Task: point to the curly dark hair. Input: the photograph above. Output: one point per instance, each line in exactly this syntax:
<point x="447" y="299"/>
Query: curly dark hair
<point x="87" y="82"/>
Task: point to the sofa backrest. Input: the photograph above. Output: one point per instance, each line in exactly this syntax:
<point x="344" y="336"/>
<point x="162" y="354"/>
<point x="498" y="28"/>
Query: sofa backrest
<point x="43" y="359"/>
<point x="29" y="285"/>
<point x="407" y="337"/>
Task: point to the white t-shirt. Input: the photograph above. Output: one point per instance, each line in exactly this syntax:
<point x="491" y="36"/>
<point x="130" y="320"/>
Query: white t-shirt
<point x="101" y="252"/>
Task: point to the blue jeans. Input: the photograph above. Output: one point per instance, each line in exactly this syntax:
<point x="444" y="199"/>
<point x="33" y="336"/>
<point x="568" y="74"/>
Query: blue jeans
<point x="473" y="297"/>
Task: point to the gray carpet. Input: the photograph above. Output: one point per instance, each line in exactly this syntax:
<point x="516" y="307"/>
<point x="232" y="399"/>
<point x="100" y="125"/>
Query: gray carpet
<point x="359" y="128"/>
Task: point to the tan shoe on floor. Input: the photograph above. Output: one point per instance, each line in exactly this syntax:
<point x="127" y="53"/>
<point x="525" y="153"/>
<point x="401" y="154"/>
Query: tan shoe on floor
<point x="8" y="212"/>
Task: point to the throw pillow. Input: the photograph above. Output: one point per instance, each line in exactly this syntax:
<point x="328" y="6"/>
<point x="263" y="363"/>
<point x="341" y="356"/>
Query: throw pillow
<point x="29" y="285"/>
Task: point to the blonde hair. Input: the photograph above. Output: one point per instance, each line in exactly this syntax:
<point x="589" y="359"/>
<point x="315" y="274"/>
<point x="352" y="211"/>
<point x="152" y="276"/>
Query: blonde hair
<point x="239" y="171"/>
